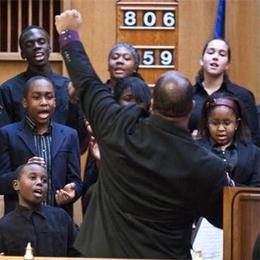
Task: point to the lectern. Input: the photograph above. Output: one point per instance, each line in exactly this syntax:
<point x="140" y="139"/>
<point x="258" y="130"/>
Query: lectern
<point x="241" y="222"/>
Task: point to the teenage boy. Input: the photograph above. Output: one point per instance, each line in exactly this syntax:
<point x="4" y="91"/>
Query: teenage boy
<point x="37" y="139"/>
<point x="35" y="49"/>
<point x="50" y="230"/>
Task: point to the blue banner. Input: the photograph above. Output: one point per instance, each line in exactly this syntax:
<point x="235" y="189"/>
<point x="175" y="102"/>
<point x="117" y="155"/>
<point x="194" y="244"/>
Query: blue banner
<point x="220" y="20"/>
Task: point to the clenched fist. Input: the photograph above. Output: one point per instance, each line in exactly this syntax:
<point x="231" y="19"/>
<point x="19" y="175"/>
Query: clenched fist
<point x="68" y="20"/>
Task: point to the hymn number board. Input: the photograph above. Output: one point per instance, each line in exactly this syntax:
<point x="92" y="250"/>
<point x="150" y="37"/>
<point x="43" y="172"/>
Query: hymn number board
<point x="152" y="28"/>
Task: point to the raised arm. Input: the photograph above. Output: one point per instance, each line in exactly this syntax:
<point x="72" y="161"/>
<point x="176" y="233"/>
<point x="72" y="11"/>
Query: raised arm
<point x="98" y="104"/>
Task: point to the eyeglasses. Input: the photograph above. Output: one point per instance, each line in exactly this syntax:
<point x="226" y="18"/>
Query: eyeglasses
<point x="224" y="123"/>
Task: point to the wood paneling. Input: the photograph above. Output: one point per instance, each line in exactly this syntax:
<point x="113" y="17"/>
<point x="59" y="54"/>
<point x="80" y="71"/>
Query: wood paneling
<point x="98" y="31"/>
<point x="152" y="27"/>
<point x="242" y="32"/>
<point x="196" y="26"/>
<point x="12" y="68"/>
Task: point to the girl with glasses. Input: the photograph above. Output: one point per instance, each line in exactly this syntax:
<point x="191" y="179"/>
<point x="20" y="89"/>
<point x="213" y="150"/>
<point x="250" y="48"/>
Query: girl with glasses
<point x="213" y="78"/>
<point x="225" y="132"/>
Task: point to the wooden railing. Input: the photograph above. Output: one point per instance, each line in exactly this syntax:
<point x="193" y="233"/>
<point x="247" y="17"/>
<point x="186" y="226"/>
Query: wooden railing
<point x="18" y="14"/>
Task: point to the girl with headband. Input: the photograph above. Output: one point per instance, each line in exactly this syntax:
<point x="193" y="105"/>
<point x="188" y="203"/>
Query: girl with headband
<point x="213" y="78"/>
<point x="224" y="131"/>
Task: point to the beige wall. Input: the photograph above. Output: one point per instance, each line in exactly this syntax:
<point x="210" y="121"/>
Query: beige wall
<point x="98" y="31"/>
<point x="242" y="31"/>
<point x="196" y="24"/>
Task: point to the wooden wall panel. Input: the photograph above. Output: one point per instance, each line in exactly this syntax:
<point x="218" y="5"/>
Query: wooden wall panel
<point x="98" y="31"/>
<point x="11" y="68"/>
<point x="151" y="28"/>
<point x="242" y="32"/>
<point x="196" y="26"/>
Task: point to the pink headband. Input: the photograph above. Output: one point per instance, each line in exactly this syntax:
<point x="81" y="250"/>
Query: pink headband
<point x="223" y="102"/>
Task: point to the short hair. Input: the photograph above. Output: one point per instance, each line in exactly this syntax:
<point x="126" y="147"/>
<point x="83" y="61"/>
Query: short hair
<point x="20" y="170"/>
<point x="138" y="87"/>
<point x="173" y="95"/>
<point x="243" y="130"/>
<point x="30" y="82"/>
<point x="130" y="48"/>
<point x="29" y="28"/>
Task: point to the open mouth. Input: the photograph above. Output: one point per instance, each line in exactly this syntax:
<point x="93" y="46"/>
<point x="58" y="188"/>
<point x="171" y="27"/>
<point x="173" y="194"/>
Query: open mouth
<point x="119" y="69"/>
<point x="44" y="114"/>
<point x="213" y="65"/>
<point x="221" y="137"/>
<point x="39" y="56"/>
<point x="119" y="73"/>
<point x="38" y="193"/>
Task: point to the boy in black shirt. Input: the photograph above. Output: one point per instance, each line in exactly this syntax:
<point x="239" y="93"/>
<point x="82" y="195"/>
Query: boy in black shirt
<point x="50" y="230"/>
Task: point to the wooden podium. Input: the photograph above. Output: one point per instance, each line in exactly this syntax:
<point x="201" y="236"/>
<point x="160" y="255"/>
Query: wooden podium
<point x="241" y="222"/>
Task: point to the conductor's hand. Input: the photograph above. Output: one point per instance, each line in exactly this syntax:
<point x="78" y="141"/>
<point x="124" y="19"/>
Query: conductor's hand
<point x="68" y="20"/>
<point x="72" y="93"/>
<point x="66" y="195"/>
<point x="93" y="146"/>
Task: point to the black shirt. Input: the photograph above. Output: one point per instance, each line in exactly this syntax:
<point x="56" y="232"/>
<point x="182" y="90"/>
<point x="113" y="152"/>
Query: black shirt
<point x="50" y="230"/>
<point x="247" y="98"/>
<point x="229" y="155"/>
<point x="4" y="120"/>
<point x="242" y="160"/>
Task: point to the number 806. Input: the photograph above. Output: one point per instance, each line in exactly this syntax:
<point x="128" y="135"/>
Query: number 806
<point x="149" y="19"/>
